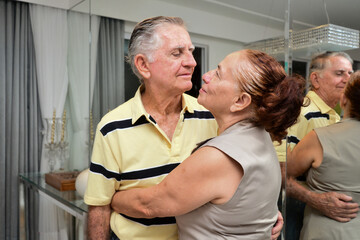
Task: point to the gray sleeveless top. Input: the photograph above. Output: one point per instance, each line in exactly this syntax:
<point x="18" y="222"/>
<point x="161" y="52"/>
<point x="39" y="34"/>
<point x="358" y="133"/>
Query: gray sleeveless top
<point x="252" y="211"/>
<point x="339" y="172"/>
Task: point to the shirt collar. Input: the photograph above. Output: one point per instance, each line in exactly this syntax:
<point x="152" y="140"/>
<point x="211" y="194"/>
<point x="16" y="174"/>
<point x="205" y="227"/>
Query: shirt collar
<point x="186" y="104"/>
<point x="138" y="109"/>
<point x="324" y="108"/>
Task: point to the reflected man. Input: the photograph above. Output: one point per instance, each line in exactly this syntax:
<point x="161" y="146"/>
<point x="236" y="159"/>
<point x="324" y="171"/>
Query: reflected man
<point x="329" y="73"/>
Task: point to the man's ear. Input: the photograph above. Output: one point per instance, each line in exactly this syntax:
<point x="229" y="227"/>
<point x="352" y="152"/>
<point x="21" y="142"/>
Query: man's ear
<point x="142" y="65"/>
<point x="314" y="78"/>
<point x="241" y="102"/>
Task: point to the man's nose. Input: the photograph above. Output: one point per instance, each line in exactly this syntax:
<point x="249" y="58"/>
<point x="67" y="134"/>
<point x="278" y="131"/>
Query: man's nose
<point x="346" y="76"/>
<point x="189" y="60"/>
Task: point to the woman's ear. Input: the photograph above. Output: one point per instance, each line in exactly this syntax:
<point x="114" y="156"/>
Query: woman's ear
<point x="343" y="101"/>
<point x="241" y="102"/>
<point x="142" y="65"/>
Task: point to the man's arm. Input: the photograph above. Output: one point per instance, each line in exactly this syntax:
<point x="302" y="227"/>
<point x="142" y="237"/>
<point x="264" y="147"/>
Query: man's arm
<point x="334" y="205"/>
<point x="99" y="222"/>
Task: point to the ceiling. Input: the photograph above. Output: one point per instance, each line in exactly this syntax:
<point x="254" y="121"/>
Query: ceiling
<point x="344" y="13"/>
<point x="304" y="13"/>
<point x="271" y="13"/>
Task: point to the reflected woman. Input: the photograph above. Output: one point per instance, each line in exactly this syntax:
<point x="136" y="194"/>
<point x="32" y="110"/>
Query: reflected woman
<point x="229" y="187"/>
<point x="330" y="157"/>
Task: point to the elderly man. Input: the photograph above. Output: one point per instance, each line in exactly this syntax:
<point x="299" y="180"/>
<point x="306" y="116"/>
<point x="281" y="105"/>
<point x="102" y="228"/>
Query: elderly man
<point x="329" y="73"/>
<point x="142" y="140"/>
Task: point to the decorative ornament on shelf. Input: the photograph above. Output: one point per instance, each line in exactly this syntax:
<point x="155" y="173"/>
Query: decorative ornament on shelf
<point x="53" y="125"/>
<point x="51" y="145"/>
<point x="81" y="182"/>
<point x="56" y="144"/>
<point x="63" y="127"/>
<point x="63" y="144"/>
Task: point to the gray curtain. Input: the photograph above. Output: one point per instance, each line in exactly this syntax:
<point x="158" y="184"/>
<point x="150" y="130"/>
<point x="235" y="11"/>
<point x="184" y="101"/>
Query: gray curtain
<point x="109" y="88"/>
<point x="20" y="117"/>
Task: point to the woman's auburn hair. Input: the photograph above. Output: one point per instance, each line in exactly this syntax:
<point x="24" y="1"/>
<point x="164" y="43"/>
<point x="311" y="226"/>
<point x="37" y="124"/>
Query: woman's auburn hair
<point x="276" y="97"/>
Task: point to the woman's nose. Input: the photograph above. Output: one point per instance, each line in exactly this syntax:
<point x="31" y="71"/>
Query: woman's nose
<point x="208" y="76"/>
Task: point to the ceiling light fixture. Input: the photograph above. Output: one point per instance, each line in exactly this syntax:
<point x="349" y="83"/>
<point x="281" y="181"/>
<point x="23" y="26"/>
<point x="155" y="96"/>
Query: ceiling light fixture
<point x="305" y="43"/>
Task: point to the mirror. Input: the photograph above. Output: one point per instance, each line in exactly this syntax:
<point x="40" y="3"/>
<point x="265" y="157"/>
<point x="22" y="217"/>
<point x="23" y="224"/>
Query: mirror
<point x="60" y="31"/>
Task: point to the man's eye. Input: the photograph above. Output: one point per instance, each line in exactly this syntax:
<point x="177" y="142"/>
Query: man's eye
<point x="339" y="73"/>
<point x="176" y="54"/>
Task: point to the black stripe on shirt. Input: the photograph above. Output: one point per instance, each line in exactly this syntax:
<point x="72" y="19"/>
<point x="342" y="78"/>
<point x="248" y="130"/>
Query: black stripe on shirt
<point x="122" y="124"/>
<point x="152" y="221"/>
<point x="293" y="139"/>
<point x="150" y="172"/>
<point x="199" y="115"/>
<point x="134" y="175"/>
<point x="311" y="115"/>
<point x="97" y="168"/>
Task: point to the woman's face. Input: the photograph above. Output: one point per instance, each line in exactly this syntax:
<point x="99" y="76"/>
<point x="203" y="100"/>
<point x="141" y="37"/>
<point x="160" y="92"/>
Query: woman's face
<point x="220" y="88"/>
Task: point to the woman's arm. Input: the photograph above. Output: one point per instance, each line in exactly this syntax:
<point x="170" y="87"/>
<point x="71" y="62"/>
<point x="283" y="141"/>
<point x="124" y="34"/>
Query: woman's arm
<point x="306" y="154"/>
<point x="208" y="175"/>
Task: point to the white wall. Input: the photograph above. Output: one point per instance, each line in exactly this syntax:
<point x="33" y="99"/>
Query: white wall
<point x="243" y="28"/>
<point x="219" y="31"/>
<point x="218" y="48"/>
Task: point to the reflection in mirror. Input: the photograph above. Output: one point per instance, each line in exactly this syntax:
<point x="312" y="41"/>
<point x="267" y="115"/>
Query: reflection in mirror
<point x="108" y="91"/>
<point x="60" y="35"/>
<point x="76" y="59"/>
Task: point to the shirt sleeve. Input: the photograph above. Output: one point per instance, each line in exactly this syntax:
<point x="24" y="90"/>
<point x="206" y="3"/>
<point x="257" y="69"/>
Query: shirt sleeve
<point x="101" y="183"/>
<point x="295" y="134"/>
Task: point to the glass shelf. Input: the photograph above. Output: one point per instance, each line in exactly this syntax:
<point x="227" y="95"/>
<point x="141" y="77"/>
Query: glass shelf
<point x="71" y="199"/>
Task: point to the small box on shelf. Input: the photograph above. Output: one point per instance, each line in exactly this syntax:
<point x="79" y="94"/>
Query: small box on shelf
<point x="63" y="181"/>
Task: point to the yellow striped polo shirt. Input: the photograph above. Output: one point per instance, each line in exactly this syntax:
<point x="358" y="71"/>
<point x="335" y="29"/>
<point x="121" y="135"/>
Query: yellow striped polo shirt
<point x="317" y="114"/>
<point x="131" y="151"/>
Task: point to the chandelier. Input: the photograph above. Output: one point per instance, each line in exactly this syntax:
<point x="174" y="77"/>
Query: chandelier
<point x="305" y="43"/>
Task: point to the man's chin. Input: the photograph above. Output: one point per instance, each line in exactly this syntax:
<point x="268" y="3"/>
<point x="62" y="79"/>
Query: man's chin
<point x="188" y="86"/>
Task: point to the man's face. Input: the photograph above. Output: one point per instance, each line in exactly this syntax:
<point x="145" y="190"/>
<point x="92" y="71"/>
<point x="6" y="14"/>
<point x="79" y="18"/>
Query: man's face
<point x="173" y="62"/>
<point x="332" y="80"/>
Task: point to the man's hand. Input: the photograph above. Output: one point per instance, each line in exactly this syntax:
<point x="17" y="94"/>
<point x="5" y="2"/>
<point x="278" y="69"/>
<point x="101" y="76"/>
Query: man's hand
<point x="275" y="232"/>
<point x="334" y="205"/>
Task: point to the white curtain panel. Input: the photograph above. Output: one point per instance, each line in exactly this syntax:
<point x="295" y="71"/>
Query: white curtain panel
<point x="50" y="39"/>
<point x="81" y="50"/>
<point x="95" y="27"/>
